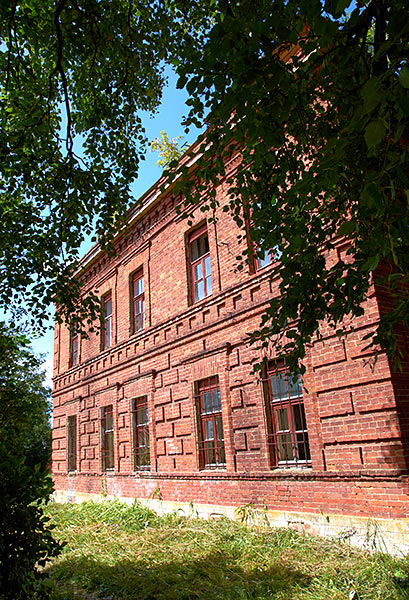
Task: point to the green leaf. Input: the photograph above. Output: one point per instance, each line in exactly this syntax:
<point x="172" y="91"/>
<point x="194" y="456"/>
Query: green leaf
<point x="374" y="133"/>
<point x="404" y="77"/>
<point x="372" y="93"/>
<point x="347" y="228"/>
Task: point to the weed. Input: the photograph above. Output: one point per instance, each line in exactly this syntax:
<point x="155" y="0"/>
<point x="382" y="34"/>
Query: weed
<point x="124" y="552"/>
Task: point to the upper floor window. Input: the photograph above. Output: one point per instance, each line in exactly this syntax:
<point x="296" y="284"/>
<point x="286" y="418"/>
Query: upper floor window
<point x="209" y="406"/>
<point x="289" y="436"/>
<point x="72" y="443"/>
<point x="138" y="301"/>
<point x="264" y="260"/>
<point x="74" y="346"/>
<point x="199" y="254"/>
<point x="107" y="325"/>
<point x="107" y="437"/>
<point x="140" y="425"/>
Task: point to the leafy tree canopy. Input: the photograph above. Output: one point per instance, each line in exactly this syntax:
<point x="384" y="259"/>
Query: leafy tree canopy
<point x="317" y="102"/>
<point x="315" y="98"/>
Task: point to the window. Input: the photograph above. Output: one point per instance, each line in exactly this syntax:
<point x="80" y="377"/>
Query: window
<point x="140" y="425"/>
<point x="107" y="325"/>
<point x="72" y="443"/>
<point x="263" y="261"/>
<point x="211" y="442"/>
<point x="74" y="340"/>
<point x="138" y="301"/>
<point x="107" y="438"/>
<point x="199" y="253"/>
<point x="288" y="437"/>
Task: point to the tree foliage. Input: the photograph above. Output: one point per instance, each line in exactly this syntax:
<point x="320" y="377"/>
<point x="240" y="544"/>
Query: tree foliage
<point x="74" y="78"/>
<point x="25" y="452"/>
<point x="167" y="148"/>
<point x="316" y="99"/>
<point x="317" y="102"/>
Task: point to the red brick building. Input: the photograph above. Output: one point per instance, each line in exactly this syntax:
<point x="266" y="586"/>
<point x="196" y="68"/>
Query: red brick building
<point x="163" y="406"/>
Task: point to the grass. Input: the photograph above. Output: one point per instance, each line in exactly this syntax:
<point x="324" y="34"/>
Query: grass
<point x="115" y="551"/>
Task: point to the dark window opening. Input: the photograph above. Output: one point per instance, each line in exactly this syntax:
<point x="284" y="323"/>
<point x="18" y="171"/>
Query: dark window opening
<point x="107" y="325"/>
<point x="107" y="438"/>
<point x="211" y="437"/>
<point x="74" y="343"/>
<point x="72" y="443"/>
<point x="140" y="425"/>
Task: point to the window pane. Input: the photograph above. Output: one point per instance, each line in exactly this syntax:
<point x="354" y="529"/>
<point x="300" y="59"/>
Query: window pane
<point x="282" y="419"/>
<point x="209" y="431"/>
<point x="199" y="290"/>
<point x="299" y="417"/>
<point x="279" y="387"/>
<point x="265" y="260"/>
<point x="108" y="307"/>
<point x="208" y="285"/>
<point x="210" y="454"/>
<point x="138" y="286"/>
<point x="303" y="449"/>
<point x="109" y="438"/>
<point x="198" y="271"/>
<point x="294" y="386"/>
<point x="221" y="452"/>
<point x="285" y="448"/>
<point x="219" y="428"/>
<point x="207" y="405"/>
<point x="109" y="421"/>
<point x="200" y="247"/>
<point x="108" y="333"/>
<point x="217" y="402"/>
<point x="207" y="265"/>
<point x="142" y="415"/>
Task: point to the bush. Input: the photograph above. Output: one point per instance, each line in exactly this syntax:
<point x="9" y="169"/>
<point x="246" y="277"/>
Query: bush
<point x="26" y="541"/>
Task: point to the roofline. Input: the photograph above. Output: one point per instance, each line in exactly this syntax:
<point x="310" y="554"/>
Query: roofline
<point x="139" y="208"/>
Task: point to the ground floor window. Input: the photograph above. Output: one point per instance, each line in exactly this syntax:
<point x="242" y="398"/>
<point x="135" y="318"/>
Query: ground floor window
<point x="288" y="436"/>
<point x="72" y="443"/>
<point x="107" y="438"/>
<point x="140" y="426"/>
<point x="211" y="437"/>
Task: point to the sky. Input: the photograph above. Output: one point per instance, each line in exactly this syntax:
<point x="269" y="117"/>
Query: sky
<point x="168" y="119"/>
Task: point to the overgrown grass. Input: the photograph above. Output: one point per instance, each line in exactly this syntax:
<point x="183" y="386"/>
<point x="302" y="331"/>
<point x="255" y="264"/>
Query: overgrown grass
<point x="118" y="552"/>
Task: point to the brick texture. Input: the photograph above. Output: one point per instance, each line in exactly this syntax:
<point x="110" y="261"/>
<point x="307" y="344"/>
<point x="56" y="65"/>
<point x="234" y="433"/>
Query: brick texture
<point x="357" y="409"/>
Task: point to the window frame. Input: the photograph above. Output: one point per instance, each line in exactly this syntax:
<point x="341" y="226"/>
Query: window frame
<point x="107" y="319"/>
<point x="210" y="384"/>
<point x="71" y="443"/>
<point x="137" y="276"/>
<point x="137" y="429"/>
<point x="280" y="438"/>
<point x="107" y="449"/>
<point x="193" y="236"/>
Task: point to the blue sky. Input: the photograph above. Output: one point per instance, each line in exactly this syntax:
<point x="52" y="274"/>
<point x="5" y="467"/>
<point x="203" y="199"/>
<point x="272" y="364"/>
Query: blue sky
<point x="168" y="119"/>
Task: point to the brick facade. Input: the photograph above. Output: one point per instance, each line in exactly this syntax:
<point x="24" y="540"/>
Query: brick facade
<point x="356" y="411"/>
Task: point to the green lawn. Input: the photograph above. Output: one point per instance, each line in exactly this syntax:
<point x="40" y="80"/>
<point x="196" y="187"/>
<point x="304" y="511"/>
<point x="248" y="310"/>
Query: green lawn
<point x="119" y="552"/>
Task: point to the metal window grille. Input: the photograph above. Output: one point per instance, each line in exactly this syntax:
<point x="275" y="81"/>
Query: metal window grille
<point x="107" y="333"/>
<point x="201" y="275"/>
<point x="107" y="438"/>
<point x="140" y="426"/>
<point x="211" y="442"/>
<point x="138" y="295"/>
<point x="288" y="438"/>
<point x="72" y="443"/>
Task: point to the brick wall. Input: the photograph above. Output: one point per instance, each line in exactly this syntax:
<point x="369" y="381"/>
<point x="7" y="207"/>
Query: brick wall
<point x="356" y="408"/>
